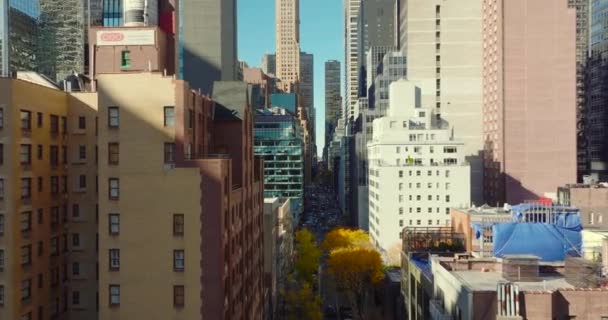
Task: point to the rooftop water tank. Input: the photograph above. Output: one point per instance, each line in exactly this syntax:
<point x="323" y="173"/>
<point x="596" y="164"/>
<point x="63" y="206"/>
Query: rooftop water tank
<point x="140" y="13"/>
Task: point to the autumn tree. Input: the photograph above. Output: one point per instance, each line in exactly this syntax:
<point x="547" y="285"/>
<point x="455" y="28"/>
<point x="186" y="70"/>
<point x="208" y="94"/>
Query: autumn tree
<point x="302" y="303"/>
<point x="355" y="270"/>
<point x="345" y="238"/>
<point x="308" y="255"/>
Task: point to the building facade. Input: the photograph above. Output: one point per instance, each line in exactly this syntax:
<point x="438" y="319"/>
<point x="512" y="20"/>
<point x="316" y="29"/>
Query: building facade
<point x="332" y="97"/>
<point x="193" y="155"/>
<point x="442" y="42"/>
<point x="595" y="114"/>
<point x="278" y="140"/>
<point x="307" y="89"/>
<point x="352" y="43"/>
<point x="269" y="63"/>
<point x="288" y="43"/>
<point x="417" y="169"/>
<point x="524" y="155"/>
<point x="19" y="31"/>
<point x="48" y="200"/>
<point x="206" y="42"/>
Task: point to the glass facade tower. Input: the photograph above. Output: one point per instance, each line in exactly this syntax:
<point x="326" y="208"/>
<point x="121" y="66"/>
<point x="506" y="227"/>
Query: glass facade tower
<point x="278" y="139"/>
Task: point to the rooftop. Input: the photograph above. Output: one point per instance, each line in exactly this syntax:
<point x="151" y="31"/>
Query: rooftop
<point x="487" y="281"/>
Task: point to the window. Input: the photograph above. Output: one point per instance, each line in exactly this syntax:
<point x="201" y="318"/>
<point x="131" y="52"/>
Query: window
<point x="429" y="210"/>
<point x="64" y="155"/>
<point x="178" y="296"/>
<point x="114" y="223"/>
<point x="169" y="152"/>
<point x="76" y="269"/>
<point x="447" y="198"/>
<point x="82" y="123"/>
<point x="1" y="260"/>
<point x="178" y="260"/>
<point x="1" y="153"/>
<point x="75" y="297"/>
<point x="178" y="224"/>
<point x="401" y="223"/>
<point x="113" y="153"/>
<point x="418" y="222"/>
<point x="75" y="210"/>
<point x="400" y="186"/>
<point x="54" y="184"/>
<point x="54" y="155"/>
<point x="82" y="152"/>
<point x="54" y="246"/>
<point x="75" y="240"/>
<point x="447" y="186"/>
<point x="54" y="124"/>
<point x="26" y="221"/>
<point x="26" y="188"/>
<point x="1" y="188"/>
<point x="400" y="210"/>
<point x="447" y="210"/>
<point x="113" y="117"/>
<point x="25" y="154"/>
<point x="82" y="182"/>
<point x="169" y="117"/>
<point x="114" y="295"/>
<point x="26" y="289"/>
<point x="114" y="259"/>
<point x="39" y="119"/>
<point x="125" y="59"/>
<point x="418" y="173"/>
<point x="1" y="295"/>
<point x="400" y="174"/>
<point x="26" y="255"/>
<point x="64" y="124"/>
<point x="26" y="120"/>
<point x="114" y="188"/>
<point x="39" y="153"/>
<point x="1" y="118"/>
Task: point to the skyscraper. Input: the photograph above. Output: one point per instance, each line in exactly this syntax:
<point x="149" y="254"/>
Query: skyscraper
<point x="332" y="98"/>
<point x="442" y="44"/>
<point x="19" y="30"/>
<point x="307" y="88"/>
<point x="207" y="42"/>
<point x="529" y="109"/>
<point x="596" y="111"/>
<point x="288" y="42"/>
<point x="352" y="39"/>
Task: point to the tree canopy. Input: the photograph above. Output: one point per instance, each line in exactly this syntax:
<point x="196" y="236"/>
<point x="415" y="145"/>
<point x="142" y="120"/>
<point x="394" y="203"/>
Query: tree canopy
<point x="345" y="238"/>
<point x="308" y="255"/>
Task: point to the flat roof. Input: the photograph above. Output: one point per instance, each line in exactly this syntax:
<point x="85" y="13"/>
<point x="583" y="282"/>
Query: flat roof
<point x="487" y="281"/>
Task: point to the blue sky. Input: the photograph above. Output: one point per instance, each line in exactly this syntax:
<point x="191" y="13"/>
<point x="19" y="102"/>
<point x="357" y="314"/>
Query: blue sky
<point x="320" y="34"/>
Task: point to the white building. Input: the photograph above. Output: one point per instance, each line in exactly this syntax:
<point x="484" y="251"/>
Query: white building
<point x="417" y="170"/>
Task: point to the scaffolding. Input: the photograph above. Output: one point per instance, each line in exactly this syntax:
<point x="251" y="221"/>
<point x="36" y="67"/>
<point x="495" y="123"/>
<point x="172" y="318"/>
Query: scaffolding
<point x="432" y="239"/>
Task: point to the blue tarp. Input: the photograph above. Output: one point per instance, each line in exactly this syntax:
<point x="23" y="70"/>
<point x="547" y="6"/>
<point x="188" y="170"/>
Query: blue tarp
<point x="550" y="242"/>
<point x="564" y="217"/>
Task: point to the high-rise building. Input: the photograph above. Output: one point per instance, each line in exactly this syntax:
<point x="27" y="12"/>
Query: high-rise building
<point x="206" y="42"/>
<point x="19" y="29"/>
<point x="288" y="43"/>
<point x="352" y="43"/>
<point x="583" y="18"/>
<point x="332" y="98"/>
<point x="47" y="201"/>
<point x="392" y="68"/>
<point x="373" y="67"/>
<point x="596" y="112"/>
<point x="307" y="88"/>
<point x="442" y="43"/>
<point x="203" y="252"/>
<point x="376" y="25"/>
<point x="417" y="169"/>
<point x="278" y="140"/>
<point x="269" y="63"/>
<point x="529" y="110"/>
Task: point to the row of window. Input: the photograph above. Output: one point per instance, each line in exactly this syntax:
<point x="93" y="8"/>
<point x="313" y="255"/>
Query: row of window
<point x="25" y="154"/>
<point x="419" y="185"/>
<point x="417" y="173"/>
<point x="179" y="260"/>
<point x="26" y="185"/>
<point x="114" y="224"/>
<point x="179" y="295"/>
<point x="419" y="198"/>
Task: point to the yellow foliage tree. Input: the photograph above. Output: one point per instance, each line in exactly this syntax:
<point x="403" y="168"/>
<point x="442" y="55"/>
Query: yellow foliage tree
<point x="345" y="238"/>
<point x="302" y="303"/>
<point x="355" y="270"/>
<point x="308" y="255"/>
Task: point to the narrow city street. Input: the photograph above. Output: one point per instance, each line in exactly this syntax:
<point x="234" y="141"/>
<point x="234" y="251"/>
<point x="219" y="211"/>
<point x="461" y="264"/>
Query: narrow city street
<point x="321" y="215"/>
